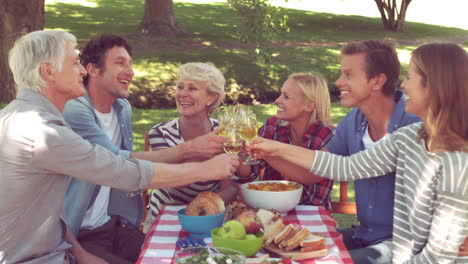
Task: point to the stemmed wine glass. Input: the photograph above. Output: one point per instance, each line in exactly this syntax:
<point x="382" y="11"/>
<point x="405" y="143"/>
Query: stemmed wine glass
<point x="248" y="129"/>
<point x="227" y="128"/>
<point x="234" y="143"/>
<point x="237" y="124"/>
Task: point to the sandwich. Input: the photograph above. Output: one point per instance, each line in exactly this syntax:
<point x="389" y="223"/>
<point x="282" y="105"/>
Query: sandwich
<point x="296" y="240"/>
<point x="312" y="243"/>
<point x="281" y="236"/>
<point x="290" y="237"/>
<point x="272" y="231"/>
<point x="283" y="242"/>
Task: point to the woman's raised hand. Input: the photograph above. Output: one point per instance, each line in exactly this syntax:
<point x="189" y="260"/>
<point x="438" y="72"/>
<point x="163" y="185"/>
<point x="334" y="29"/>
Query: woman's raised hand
<point x="262" y="148"/>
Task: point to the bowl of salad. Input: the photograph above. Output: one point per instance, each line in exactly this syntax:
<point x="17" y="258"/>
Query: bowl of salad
<point x="208" y="255"/>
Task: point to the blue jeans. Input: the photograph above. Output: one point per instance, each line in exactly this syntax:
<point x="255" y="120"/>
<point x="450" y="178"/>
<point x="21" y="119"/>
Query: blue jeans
<point x="363" y="253"/>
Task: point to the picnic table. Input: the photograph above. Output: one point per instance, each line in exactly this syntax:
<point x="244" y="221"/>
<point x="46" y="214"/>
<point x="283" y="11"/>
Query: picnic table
<point x="160" y="243"/>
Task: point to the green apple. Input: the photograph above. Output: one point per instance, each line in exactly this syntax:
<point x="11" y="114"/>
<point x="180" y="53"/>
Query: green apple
<point x="250" y="237"/>
<point x="233" y="230"/>
<point x="222" y="232"/>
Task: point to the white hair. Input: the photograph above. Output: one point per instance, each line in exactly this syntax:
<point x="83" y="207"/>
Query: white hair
<point x="33" y="49"/>
<point x="206" y="73"/>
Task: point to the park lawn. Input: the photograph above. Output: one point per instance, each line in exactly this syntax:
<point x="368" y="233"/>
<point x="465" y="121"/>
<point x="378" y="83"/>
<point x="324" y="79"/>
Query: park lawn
<point x="312" y="45"/>
<point x="216" y="21"/>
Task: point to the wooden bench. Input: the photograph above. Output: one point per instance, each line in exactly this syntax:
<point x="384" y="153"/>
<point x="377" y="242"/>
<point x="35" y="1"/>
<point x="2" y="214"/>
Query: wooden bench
<point x="343" y="206"/>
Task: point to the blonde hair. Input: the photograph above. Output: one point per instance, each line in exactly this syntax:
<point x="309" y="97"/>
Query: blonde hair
<point x="444" y="71"/>
<point x="206" y="73"/>
<point x="315" y="89"/>
<point x="33" y="49"/>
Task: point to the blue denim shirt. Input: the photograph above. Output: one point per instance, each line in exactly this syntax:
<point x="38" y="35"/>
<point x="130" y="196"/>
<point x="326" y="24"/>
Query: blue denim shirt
<point x="374" y="196"/>
<point x="79" y="114"/>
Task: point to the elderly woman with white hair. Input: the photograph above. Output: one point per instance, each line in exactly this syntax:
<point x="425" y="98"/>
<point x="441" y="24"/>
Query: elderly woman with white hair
<point x="200" y="90"/>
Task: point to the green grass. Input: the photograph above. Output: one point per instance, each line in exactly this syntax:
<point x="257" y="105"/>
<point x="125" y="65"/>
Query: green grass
<point x="216" y="21"/>
<point x="212" y="38"/>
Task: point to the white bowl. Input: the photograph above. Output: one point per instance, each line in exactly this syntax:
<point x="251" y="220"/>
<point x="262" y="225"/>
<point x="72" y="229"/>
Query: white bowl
<point x="283" y="201"/>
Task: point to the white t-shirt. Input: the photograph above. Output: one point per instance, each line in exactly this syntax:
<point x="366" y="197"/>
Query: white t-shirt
<point x="97" y="215"/>
<point x="367" y="140"/>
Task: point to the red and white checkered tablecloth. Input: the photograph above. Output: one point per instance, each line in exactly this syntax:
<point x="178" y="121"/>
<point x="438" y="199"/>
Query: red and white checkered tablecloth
<point x="160" y="243"/>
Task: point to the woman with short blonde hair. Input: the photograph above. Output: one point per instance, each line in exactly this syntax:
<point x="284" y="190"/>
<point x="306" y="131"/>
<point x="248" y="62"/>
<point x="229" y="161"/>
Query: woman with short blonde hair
<point x="200" y="90"/>
<point x="206" y="73"/>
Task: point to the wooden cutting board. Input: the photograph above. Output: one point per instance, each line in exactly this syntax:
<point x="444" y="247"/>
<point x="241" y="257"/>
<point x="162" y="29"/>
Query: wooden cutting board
<point x="274" y="251"/>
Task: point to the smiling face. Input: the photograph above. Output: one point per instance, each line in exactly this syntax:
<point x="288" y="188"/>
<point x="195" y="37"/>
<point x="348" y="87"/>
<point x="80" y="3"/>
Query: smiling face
<point x="68" y="82"/>
<point x="418" y="98"/>
<point x="292" y="103"/>
<point x="193" y="98"/>
<point x="116" y="74"/>
<point x="355" y="86"/>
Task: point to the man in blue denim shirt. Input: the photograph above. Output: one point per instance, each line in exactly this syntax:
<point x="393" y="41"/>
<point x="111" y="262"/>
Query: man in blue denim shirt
<point x="368" y="82"/>
<point x="106" y="220"/>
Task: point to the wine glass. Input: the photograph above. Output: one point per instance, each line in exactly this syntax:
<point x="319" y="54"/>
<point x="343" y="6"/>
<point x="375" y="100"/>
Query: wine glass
<point x="234" y="143"/>
<point x="226" y="119"/>
<point x="248" y="131"/>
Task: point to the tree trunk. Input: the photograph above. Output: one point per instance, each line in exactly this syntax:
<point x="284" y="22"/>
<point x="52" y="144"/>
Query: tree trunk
<point x="17" y="17"/>
<point x="402" y="15"/>
<point x="159" y="20"/>
<point x="393" y="18"/>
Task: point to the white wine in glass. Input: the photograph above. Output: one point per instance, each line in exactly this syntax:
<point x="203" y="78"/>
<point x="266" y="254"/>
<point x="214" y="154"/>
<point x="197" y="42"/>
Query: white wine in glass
<point x="223" y="130"/>
<point x="232" y="147"/>
<point x="234" y="141"/>
<point x="248" y="133"/>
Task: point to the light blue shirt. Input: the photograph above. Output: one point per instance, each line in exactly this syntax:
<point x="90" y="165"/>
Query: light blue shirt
<point x="80" y="115"/>
<point x="374" y="196"/>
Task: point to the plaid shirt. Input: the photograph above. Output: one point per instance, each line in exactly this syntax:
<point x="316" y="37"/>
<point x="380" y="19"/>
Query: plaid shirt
<point x="316" y="137"/>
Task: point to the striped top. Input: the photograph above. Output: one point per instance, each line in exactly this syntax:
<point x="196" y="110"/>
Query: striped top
<point x="165" y="135"/>
<point x="430" y="219"/>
